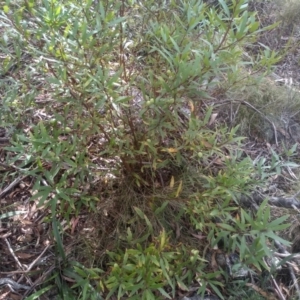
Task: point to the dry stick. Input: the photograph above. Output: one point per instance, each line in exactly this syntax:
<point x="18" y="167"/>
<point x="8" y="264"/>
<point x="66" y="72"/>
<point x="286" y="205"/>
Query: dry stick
<point x="277" y="288"/>
<point x="31" y="265"/>
<point x="17" y="261"/>
<point x="292" y="174"/>
<point x="294" y="280"/>
<point x="12" y="185"/>
<point x="20" y="265"/>
<point x="292" y="273"/>
<point x="286" y="254"/>
<point x="276" y="285"/>
<point x="38" y="281"/>
<point x="281" y="296"/>
<point x="35" y="261"/>
<point x="13" y="254"/>
<point x="297" y="194"/>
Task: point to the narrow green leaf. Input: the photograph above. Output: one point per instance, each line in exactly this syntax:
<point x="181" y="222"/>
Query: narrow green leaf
<point x="277" y="223"/>
<point x="56" y="233"/>
<point x="227" y="227"/>
<point x="225" y="7"/>
<point x="39" y="293"/>
<point x="164" y="293"/>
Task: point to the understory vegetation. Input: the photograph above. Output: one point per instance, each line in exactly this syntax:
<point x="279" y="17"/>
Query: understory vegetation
<point x="128" y="123"/>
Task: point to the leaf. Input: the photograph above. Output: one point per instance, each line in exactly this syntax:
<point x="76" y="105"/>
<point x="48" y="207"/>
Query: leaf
<point x="39" y="293"/>
<point x="70" y="162"/>
<point x="181" y="285"/>
<point x="164" y="293"/>
<point x="275" y="237"/>
<point x="179" y="189"/>
<point x="277" y="224"/>
<point x="161" y="208"/>
<point x="143" y="216"/>
<point x="212" y="118"/>
<point x="225" y="7"/>
<point x="148" y="295"/>
<point x="58" y="239"/>
<point x="172" y="150"/>
<point x="226" y="226"/>
<point x="139" y="212"/>
<point x="24" y="255"/>
<point x="191" y="105"/>
<point x="6" y="8"/>
<point x="42" y="194"/>
<point x="172" y="182"/>
<point x="163" y="238"/>
<point x="216" y="289"/>
<point x="206" y="144"/>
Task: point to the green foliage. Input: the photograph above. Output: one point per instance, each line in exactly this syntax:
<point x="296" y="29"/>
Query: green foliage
<point x="127" y="82"/>
<point x="144" y="273"/>
<point x="276" y="164"/>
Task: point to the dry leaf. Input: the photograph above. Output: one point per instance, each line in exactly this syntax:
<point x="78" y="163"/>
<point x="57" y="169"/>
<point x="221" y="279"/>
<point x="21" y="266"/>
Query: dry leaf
<point x="206" y="144"/>
<point x="74" y="224"/>
<point x="199" y="236"/>
<point x="172" y="182"/>
<point x="191" y="105"/>
<point x="179" y="189"/>
<point x="23" y="255"/>
<point x="212" y="118"/>
<point x="218" y="161"/>
<point x="172" y="150"/>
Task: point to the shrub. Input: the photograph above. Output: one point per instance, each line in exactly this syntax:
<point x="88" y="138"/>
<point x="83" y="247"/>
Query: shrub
<point x="121" y="90"/>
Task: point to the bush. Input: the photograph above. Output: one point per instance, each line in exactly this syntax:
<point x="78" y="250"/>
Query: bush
<point x="118" y="92"/>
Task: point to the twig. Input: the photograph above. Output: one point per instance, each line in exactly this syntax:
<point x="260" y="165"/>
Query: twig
<point x="12" y="185"/>
<point x="294" y="280"/>
<point x="277" y="288"/>
<point x="35" y="261"/>
<point x="13" y="254"/>
<point x="17" y="261"/>
<point x="297" y="194"/>
<point x="281" y="296"/>
<point x="292" y="273"/>
<point x="286" y="254"/>
<point x="29" y="267"/>
<point x="38" y="281"/>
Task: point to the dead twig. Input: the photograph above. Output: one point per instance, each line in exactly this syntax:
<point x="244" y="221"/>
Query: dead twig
<point x="292" y="273"/>
<point x="38" y="281"/>
<point x="37" y="259"/>
<point x="13" y="254"/>
<point x="17" y="261"/>
<point x="12" y="185"/>
<point x="295" y="281"/>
